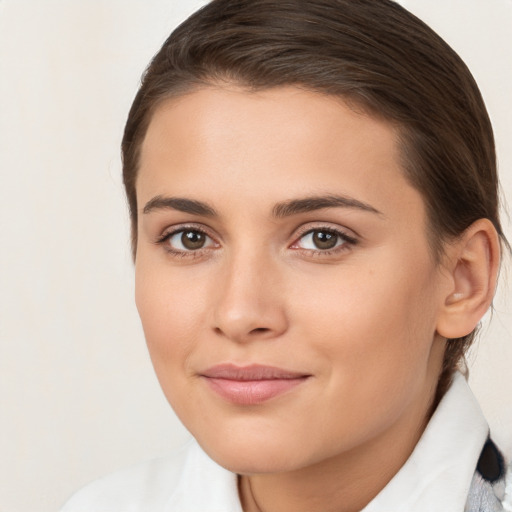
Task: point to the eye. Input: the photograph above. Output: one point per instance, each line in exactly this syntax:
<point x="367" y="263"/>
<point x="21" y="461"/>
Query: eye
<point x="187" y="240"/>
<point x="324" y="240"/>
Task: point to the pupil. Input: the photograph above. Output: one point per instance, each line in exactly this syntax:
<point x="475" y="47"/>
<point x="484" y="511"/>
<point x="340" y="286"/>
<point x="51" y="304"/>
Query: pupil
<point x="192" y="239"/>
<point x="324" y="239"/>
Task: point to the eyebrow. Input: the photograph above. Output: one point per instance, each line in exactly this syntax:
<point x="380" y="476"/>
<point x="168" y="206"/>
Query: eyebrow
<point x="181" y="204"/>
<point x="280" y="210"/>
<point x="308" y="204"/>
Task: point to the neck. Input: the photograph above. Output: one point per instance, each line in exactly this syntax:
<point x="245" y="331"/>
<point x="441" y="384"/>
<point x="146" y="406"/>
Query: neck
<point x="344" y="483"/>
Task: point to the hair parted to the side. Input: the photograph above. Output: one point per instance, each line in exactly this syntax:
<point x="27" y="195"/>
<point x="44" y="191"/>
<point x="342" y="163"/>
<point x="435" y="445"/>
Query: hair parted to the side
<point x="372" y="53"/>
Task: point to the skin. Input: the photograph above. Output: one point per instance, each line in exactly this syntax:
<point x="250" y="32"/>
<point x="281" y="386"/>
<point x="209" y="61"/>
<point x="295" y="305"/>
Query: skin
<point x="361" y="320"/>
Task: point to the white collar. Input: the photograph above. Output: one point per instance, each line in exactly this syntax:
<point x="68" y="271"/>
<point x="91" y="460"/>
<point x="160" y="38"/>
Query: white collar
<point x="437" y="475"/>
<point x="204" y="486"/>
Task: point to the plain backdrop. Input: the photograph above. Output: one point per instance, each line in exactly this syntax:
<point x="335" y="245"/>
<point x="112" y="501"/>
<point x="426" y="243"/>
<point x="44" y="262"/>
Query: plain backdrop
<point x="78" y="397"/>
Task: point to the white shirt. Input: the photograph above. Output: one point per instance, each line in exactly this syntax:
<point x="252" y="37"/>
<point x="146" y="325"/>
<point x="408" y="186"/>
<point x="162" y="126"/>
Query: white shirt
<point x="436" y="477"/>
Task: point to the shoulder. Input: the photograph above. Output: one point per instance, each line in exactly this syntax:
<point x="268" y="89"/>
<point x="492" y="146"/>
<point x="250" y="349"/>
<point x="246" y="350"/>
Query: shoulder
<point x="143" y="487"/>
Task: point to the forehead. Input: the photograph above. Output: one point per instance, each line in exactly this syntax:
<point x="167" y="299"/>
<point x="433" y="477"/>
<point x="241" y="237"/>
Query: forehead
<point x="281" y="141"/>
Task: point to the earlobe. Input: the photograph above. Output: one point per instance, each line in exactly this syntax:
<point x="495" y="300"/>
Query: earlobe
<point x="473" y="263"/>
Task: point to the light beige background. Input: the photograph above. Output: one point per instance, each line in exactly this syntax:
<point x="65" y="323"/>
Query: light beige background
<point x="77" y="393"/>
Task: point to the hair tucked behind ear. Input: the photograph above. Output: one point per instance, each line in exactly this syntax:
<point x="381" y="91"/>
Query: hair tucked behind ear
<point x="374" y="54"/>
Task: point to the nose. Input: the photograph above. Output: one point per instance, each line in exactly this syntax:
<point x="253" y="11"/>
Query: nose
<point x="250" y="300"/>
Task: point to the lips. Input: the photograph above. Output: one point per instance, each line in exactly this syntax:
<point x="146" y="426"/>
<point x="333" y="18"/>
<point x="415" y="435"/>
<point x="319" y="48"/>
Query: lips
<point x="251" y="385"/>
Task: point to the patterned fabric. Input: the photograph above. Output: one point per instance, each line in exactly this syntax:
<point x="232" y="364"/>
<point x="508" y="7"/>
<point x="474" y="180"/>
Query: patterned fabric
<point x="491" y="487"/>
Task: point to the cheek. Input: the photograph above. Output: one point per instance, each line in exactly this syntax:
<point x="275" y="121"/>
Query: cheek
<point x="171" y="314"/>
<point x="172" y="320"/>
<point x="378" y="321"/>
<point x="374" y="337"/>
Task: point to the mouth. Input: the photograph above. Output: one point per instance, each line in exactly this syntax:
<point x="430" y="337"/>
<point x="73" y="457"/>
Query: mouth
<point x="251" y="385"/>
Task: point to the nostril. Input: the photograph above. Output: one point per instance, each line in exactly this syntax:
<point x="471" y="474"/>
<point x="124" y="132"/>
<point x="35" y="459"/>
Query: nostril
<point x="259" y="330"/>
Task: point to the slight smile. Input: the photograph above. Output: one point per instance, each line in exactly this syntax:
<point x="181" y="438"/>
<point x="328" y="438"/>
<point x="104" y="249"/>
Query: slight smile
<point x="251" y="385"/>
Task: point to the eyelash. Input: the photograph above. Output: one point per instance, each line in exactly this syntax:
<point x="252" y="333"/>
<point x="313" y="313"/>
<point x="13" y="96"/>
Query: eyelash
<point x="346" y="242"/>
<point x="166" y="236"/>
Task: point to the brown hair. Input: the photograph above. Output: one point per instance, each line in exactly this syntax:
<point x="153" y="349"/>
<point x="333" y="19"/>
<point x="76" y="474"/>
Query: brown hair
<point x="374" y="54"/>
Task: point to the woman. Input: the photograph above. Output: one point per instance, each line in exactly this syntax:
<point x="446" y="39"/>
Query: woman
<point x="314" y="206"/>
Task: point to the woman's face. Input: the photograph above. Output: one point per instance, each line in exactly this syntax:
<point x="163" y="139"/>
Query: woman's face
<point x="284" y="277"/>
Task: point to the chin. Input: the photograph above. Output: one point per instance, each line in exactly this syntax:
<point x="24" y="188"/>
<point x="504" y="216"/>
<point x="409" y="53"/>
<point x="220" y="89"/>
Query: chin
<point x="252" y="462"/>
<point x="244" y="454"/>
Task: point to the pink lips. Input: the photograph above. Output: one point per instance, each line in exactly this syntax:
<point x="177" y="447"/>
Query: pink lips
<point x="251" y="385"/>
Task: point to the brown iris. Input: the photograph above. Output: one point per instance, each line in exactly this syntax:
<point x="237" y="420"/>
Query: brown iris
<point x="325" y="239"/>
<point x="193" y="240"/>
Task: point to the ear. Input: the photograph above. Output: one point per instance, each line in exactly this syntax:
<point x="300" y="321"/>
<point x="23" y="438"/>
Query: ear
<point x="472" y="263"/>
